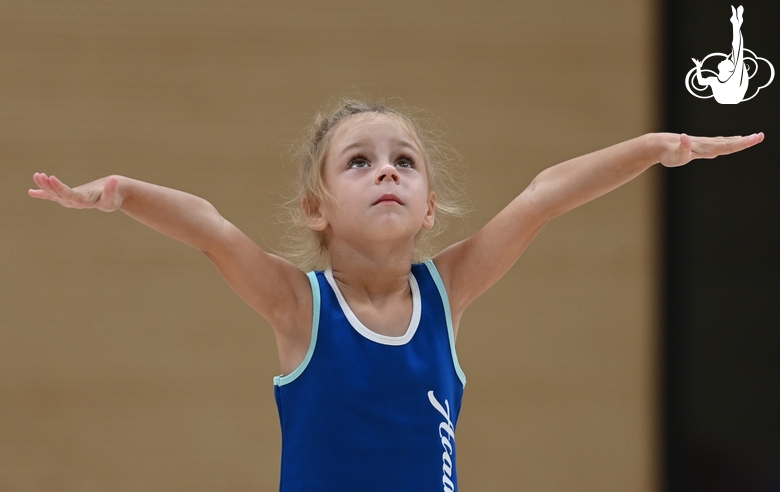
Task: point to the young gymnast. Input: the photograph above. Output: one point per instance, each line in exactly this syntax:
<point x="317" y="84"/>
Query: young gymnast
<point x="371" y="387"/>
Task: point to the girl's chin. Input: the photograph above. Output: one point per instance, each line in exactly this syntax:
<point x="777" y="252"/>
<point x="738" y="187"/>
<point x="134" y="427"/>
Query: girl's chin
<point x="392" y="231"/>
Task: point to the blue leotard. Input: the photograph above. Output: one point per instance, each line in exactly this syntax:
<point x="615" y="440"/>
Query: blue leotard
<point x="368" y="412"/>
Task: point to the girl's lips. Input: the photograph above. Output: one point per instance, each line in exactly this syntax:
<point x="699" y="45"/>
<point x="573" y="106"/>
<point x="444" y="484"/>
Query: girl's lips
<point x="388" y="198"/>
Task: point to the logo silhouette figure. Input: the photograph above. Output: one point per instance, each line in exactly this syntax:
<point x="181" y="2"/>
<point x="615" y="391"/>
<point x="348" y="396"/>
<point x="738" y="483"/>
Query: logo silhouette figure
<point x="734" y="71"/>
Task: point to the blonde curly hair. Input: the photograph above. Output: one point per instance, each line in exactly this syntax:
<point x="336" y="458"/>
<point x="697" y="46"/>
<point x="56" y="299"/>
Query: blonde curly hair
<point x="306" y="247"/>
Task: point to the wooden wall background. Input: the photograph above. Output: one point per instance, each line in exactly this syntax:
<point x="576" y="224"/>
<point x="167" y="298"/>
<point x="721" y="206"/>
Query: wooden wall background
<point x="127" y="364"/>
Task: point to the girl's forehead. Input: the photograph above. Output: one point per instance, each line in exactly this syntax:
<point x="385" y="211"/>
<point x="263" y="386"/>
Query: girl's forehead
<point x="370" y="126"/>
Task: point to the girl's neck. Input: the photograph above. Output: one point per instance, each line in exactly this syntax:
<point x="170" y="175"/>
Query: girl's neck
<point x="371" y="277"/>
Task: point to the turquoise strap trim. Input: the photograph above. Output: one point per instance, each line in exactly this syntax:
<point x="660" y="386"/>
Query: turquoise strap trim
<point x="315" y="292"/>
<point x="446" y="300"/>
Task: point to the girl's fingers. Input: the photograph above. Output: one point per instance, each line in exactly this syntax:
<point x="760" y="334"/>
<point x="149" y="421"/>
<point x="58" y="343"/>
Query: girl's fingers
<point x="59" y="193"/>
<point x="39" y="194"/>
<point x="43" y="183"/>
<point x="690" y="148"/>
<point x="735" y="144"/>
<point x="713" y="147"/>
<point x="66" y="195"/>
<point x="33" y="192"/>
<point x="45" y="191"/>
<point x="53" y="189"/>
<point x="38" y="178"/>
<point x="61" y="188"/>
<point x="46" y="185"/>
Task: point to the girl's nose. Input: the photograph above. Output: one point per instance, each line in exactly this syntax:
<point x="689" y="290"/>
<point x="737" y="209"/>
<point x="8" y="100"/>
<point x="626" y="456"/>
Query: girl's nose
<point x="388" y="172"/>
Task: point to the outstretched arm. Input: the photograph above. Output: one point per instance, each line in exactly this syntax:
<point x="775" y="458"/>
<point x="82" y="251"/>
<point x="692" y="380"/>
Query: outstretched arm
<point x="271" y="285"/>
<point x="177" y="214"/>
<point x="471" y="266"/>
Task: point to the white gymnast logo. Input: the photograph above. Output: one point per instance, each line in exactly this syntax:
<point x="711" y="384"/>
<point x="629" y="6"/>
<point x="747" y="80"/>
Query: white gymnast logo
<point x="447" y="434"/>
<point x="735" y="70"/>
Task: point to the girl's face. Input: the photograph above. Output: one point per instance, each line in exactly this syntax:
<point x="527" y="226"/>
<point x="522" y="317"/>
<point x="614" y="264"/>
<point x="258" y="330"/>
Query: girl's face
<point x="375" y="170"/>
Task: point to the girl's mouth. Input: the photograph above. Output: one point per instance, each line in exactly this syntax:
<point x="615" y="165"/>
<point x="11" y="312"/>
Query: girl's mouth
<point x="388" y="198"/>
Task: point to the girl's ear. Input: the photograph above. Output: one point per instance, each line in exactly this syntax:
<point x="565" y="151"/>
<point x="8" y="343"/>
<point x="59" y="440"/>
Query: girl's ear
<point x="430" y="213"/>
<point x="314" y="218"/>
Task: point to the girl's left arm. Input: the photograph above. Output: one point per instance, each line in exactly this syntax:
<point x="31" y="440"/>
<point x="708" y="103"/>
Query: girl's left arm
<point x="470" y="267"/>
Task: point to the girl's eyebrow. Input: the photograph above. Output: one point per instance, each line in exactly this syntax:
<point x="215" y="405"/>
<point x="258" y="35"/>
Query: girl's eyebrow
<point x="398" y="142"/>
<point x="406" y="144"/>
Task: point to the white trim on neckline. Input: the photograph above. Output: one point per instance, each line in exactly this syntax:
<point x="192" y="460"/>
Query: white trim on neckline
<point x="365" y="331"/>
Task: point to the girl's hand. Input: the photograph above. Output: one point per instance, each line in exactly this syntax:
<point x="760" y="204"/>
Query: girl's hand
<point x="681" y="149"/>
<point x="100" y="194"/>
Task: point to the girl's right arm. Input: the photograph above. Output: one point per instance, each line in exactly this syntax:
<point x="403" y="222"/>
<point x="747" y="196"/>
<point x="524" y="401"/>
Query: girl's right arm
<point x="272" y="285"/>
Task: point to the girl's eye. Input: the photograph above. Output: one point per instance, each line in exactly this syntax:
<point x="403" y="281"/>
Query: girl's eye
<point x="405" y="162"/>
<point x="361" y="162"/>
<point x="358" y="162"/>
